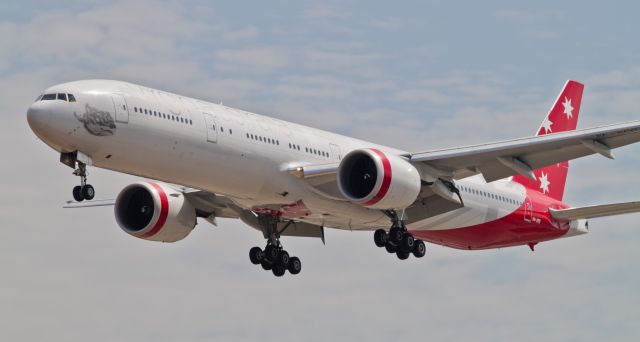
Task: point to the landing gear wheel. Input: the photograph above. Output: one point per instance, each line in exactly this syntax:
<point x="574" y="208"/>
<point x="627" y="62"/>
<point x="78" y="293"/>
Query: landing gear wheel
<point x="271" y="253"/>
<point x="380" y="237"/>
<point x="266" y="265"/>
<point x="88" y="192"/>
<point x="419" y="249"/>
<point x="390" y="248"/>
<point x="283" y="258"/>
<point x="402" y="255"/>
<point x="256" y="255"/>
<point x="77" y="193"/>
<point x="295" y="266"/>
<point x="278" y="270"/>
<point x="408" y="242"/>
<point x="395" y="236"/>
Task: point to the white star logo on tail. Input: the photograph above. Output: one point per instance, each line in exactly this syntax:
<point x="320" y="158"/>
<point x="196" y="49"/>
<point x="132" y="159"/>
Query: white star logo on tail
<point x="544" y="183"/>
<point x="546" y="124"/>
<point x="568" y="108"/>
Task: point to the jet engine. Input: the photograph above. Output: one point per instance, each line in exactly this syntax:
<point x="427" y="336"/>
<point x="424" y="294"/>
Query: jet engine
<point x="374" y="179"/>
<point x="156" y="212"/>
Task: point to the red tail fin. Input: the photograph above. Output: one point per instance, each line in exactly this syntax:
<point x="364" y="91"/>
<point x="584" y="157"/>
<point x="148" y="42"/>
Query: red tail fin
<point x="562" y="117"/>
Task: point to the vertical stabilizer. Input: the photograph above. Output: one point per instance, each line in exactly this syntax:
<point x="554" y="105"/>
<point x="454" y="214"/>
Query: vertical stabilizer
<point x="562" y="117"/>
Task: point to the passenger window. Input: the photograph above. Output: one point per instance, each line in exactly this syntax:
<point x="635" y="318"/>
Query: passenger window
<point x="230" y="131"/>
<point x="71" y="98"/>
<point x="62" y="97"/>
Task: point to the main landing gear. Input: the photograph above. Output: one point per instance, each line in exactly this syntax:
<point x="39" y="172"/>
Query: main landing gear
<point x="83" y="191"/>
<point x="274" y="257"/>
<point x="399" y="240"/>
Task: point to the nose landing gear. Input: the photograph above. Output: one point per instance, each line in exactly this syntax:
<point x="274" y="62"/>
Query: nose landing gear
<point x="398" y="240"/>
<point x="83" y="191"/>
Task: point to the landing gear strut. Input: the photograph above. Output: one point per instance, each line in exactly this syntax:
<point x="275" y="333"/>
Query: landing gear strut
<point x="398" y="240"/>
<point x="274" y="257"/>
<point x="83" y="191"/>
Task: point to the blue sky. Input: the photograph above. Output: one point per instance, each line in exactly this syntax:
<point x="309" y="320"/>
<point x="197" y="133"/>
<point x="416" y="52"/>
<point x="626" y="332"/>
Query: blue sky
<point x="415" y="75"/>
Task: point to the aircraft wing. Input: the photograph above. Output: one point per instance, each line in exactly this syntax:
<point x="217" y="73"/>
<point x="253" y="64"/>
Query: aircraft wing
<point x="207" y="204"/>
<point x="521" y="156"/>
<point x="595" y="211"/>
<point x="210" y="206"/>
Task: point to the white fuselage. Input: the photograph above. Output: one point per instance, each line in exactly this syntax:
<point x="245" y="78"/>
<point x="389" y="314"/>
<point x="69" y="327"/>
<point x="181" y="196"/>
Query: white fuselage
<point x="227" y="151"/>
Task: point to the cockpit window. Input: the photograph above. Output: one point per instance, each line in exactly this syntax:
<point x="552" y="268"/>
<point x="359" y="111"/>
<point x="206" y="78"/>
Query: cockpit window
<point x="46" y="97"/>
<point x="62" y="97"/>
<point x="71" y="98"/>
<point x="39" y="98"/>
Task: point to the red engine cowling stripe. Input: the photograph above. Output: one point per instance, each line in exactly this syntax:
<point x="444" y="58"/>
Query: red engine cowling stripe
<point x="386" y="179"/>
<point x="164" y="212"/>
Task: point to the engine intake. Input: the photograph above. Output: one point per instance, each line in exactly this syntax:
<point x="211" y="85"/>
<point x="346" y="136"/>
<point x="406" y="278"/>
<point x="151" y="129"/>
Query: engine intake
<point x="155" y="212"/>
<point x="373" y="179"/>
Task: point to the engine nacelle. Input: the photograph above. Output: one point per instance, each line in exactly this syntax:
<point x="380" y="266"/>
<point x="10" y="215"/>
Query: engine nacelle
<point x="152" y="211"/>
<point x="376" y="180"/>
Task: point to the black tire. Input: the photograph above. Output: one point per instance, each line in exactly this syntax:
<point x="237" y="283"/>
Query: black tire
<point x="402" y="255"/>
<point x="419" y="250"/>
<point x="380" y="237"/>
<point x="295" y="266"/>
<point x="256" y="255"/>
<point x="408" y="242"/>
<point x="88" y="192"/>
<point x="266" y="265"/>
<point x="278" y="270"/>
<point x="271" y="253"/>
<point x="390" y="248"/>
<point x="77" y="193"/>
<point x="395" y="236"/>
<point x="283" y="258"/>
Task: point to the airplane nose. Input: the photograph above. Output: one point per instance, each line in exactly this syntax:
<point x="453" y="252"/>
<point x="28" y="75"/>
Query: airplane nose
<point x="38" y="118"/>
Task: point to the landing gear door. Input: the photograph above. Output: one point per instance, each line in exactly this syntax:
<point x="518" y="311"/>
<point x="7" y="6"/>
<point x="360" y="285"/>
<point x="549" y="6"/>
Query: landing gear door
<point x="122" y="110"/>
<point x="212" y="128"/>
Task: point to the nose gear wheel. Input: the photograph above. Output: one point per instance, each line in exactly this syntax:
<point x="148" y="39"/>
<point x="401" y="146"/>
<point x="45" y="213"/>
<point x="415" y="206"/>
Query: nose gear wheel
<point x="84" y="191"/>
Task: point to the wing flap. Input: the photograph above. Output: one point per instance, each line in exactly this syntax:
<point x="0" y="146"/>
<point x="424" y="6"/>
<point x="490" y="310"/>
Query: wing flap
<point x="595" y="211"/>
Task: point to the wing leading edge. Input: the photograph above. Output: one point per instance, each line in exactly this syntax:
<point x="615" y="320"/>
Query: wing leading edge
<point x="521" y="156"/>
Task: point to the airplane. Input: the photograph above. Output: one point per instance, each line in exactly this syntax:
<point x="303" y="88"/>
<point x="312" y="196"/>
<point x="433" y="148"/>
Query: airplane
<point x="209" y="161"/>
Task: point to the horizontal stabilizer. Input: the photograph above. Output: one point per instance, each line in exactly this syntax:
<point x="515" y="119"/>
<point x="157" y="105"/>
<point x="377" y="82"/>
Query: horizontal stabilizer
<point x="595" y="211"/>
